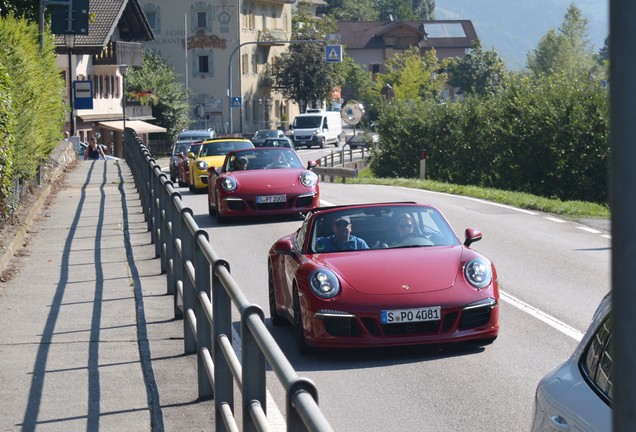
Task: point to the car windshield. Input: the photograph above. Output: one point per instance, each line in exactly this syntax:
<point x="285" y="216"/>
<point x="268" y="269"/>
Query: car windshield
<point x="307" y="122"/>
<point x="195" y="148"/>
<point x="380" y="227"/>
<point x="256" y="159"/>
<point x="220" y="148"/>
<point x="266" y="134"/>
<point x="181" y="148"/>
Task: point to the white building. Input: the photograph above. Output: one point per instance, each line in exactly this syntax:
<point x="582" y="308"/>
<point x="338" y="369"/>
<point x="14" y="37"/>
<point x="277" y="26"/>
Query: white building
<point x="217" y="44"/>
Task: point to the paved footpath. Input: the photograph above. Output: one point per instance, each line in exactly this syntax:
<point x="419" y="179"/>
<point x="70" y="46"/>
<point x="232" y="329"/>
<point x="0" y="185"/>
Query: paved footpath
<point x="88" y="339"/>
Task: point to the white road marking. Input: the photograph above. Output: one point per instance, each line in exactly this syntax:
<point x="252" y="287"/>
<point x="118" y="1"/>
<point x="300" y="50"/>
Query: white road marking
<point x="542" y="316"/>
<point x="590" y="230"/>
<point x="553" y="219"/>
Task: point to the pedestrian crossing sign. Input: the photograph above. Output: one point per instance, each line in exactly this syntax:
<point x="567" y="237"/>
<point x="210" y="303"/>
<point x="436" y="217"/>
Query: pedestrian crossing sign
<point x="333" y="53"/>
<point x="236" y="102"/>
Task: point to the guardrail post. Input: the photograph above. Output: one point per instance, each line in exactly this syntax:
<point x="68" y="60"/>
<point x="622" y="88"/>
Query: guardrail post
<point x="294" y="420"/>
<point x="187" y="247"/>
<point x="222" y="313"/>
<point x="253" y="367"/>
<point x="171" y="217"/>
<point x="204" y="329"/>
<point x="178" y="232"/>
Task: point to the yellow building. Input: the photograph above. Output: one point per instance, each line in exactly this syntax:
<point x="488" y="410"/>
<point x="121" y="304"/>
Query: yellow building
<point x="222" y="50"/>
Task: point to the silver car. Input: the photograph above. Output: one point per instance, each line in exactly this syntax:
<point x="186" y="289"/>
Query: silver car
<point x="577" y="396"/>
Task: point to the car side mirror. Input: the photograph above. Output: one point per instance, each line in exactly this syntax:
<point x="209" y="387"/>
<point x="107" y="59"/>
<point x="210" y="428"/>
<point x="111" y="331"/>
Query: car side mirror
<point x="472" y="235"/>
<point x="191" y="155"/>
<point x="311" y="164"/>
<point x="283" y="247"/>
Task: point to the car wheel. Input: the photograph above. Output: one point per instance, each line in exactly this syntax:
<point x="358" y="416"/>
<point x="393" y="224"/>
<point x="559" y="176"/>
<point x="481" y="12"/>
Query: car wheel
<point x="277" y="320"/>
<point x="322" y="143"/>
<point x="299" y="332"/>
<point x="219" y="217"/>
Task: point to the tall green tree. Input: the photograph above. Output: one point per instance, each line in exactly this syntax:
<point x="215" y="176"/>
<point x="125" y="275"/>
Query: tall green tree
<point x="374" y="10"/>
<point x="28" y="9"/>
<point x="566" y="51"/>
<point x="302" y="74"/>
<point x="479" y="72"/>
<point x="155" y="81"/>
<point x="347" y="10"/>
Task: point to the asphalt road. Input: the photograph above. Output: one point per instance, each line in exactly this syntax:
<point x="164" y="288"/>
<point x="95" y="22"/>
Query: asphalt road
<point x="553" y="274"/>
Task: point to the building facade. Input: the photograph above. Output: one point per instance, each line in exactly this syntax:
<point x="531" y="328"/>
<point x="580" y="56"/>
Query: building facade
<point x="222" y="50"/>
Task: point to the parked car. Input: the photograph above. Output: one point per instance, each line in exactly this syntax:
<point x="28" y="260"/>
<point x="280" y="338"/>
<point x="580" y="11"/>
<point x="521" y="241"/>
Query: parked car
<point x="178" y="148"/>
<point x="279" y="142"/>
<point x="183" y="164"/>
<point x="425" y="288"/>
<point x="261" y="135"/>
<point x="211" y="154"/>
<point x="363" y="139"/>
<point x="262" y="181"/>
<point x="577" y="395"/>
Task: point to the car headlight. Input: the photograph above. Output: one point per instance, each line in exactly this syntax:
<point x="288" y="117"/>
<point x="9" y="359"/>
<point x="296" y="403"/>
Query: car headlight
<point x="478" y="273"/>
<point x="324" y="283"/>
<point x="308" y="179"/>
<point x="202" y="165"/>
<point x="228" y="184"/>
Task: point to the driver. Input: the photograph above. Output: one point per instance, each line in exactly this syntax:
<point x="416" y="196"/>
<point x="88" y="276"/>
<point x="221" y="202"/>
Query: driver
<point x="341" y="239"/>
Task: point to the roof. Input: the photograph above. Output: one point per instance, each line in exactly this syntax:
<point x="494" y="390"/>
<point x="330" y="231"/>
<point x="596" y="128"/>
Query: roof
<point x="125" y="15"/>
<point x="139" y="126"/>
<point x="433" y="34"/>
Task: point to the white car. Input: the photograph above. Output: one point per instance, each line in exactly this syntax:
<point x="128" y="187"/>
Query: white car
<point x="577" y="395"/>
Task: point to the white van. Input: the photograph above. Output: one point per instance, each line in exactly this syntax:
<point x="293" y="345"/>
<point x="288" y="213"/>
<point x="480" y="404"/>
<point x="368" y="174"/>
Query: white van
<point x="317" y="128"/>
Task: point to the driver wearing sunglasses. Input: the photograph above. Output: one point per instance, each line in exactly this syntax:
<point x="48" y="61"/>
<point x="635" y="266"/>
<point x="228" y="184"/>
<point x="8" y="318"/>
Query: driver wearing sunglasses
<point x="341" y="239"/>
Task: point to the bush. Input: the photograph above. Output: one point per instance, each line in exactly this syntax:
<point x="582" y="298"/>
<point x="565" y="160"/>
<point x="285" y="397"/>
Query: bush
<point x="548" y="138"/>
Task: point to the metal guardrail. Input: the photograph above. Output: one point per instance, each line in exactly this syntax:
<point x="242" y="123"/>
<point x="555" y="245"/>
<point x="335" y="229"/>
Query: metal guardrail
<point x="343" y="163"/>
<point x="204" y="292"/>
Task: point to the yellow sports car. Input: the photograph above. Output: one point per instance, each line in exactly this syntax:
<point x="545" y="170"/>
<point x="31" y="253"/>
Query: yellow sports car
<point x="212" y="153"/>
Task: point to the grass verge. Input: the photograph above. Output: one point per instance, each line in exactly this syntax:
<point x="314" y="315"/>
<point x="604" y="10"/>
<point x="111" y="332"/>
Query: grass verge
<point x="573" y="209"/>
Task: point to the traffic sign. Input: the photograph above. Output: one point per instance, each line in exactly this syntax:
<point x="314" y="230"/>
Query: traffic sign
<point x="236" y="102"/>
<point x="83" y="96"/>
<point x="333" y="53"/>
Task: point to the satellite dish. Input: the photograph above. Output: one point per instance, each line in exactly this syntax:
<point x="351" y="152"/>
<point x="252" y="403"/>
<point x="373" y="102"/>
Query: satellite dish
<point x="352" y="112"/>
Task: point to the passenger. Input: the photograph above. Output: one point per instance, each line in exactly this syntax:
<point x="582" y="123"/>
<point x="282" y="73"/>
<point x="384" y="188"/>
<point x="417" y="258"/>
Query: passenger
<point x="403" y="230"/>
<point x="341" y="239"/>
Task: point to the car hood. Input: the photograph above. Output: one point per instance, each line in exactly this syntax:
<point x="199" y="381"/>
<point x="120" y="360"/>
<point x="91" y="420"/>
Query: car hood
<point x="213" y="161"/>
<point x="268" y="180"/>
<point x="388" y="271"/>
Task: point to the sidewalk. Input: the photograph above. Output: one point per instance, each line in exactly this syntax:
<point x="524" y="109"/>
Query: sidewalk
<point x="88" y="339"/>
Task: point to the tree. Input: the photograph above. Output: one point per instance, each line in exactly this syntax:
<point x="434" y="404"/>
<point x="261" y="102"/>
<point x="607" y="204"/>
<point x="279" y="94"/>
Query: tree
<point x="479" y="72"/>
<point x="155" y="81"/>
<point x="567" y="50"/>
<point x="28" y="9"/>
<point x="347" y="10"/>
<point x="373" y="10"/>
<point x="301" y="74"/>
<point x="412" y="76"/>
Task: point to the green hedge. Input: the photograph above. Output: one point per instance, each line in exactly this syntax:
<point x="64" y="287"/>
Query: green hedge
<point x="547" y="138"/>
<point x="32" y="102"/>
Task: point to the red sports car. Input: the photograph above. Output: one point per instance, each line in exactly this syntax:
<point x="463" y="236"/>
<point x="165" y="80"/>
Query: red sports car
<point x="385" y="274"/>
<point x="262" y="181"/>
<point x="183" y="164"/>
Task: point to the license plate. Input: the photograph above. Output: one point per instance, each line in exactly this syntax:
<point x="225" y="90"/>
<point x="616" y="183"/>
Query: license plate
<point x="265" y="199"/>
<point x="411" y="315"/>
<point x="303" y="142"/>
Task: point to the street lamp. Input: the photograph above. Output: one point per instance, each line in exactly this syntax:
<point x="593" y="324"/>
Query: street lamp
<point x="123" y="70"/>
<point x="69" y="41"/>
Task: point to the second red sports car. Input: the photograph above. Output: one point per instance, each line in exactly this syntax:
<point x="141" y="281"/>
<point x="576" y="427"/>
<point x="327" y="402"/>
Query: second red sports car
<point x="386" y="274"/>
<point x="261" y="181"/>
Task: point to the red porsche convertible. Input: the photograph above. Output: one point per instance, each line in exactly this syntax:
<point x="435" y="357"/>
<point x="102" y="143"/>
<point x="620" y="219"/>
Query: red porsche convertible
<point x="385" y="274"/>
<point x="262" y="181"/>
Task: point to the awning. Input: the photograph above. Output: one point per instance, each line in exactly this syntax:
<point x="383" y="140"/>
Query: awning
<point x="138" y="125"/>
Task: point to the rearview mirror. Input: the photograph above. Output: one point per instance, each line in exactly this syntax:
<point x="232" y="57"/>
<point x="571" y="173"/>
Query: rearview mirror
<point x="472" y="235"/>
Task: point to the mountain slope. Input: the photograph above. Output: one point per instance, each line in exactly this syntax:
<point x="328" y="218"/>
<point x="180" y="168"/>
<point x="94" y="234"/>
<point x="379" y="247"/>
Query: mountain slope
<point x="514" y="28"/>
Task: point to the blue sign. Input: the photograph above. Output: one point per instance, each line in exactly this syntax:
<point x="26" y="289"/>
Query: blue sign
<point x="333" y="53"/>
<point x="83" y="94"/>
<point x="236" y="102"/>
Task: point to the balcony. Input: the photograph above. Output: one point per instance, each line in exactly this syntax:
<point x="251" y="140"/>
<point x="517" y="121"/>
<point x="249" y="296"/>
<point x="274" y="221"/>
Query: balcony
<point x="272" y="37"/>
<point x="265" y="81"/>
<point x="119" y="52"/>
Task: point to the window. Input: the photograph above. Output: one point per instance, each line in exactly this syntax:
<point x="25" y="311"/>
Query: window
<point x="107" y="87"/>
<point x="153" y="16"/>
<point x="202" y="20"/>
<point x="96" y="89"/>
<point x="204" y="65"/>
<point x="252" y="20"/>
<point x="596" y="363"/>
<point x="244" y="64"/>
<point x="254" y="63"/>
<point x="274" y="19"/>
